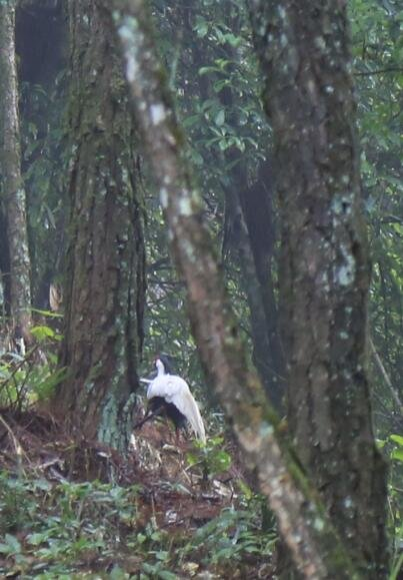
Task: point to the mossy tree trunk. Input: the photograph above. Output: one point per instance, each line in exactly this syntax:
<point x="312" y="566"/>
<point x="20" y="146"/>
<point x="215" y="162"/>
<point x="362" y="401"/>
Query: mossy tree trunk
<point x="325" y="268"/>
<point x="13" y="190"/>
<point x="104" y="290"/>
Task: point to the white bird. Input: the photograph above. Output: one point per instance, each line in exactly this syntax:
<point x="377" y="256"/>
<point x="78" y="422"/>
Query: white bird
<point x="170" y="395"/>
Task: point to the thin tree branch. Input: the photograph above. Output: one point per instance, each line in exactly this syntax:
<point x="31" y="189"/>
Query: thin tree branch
<point x="385" y="375"/>
<point x="378" y="71"/>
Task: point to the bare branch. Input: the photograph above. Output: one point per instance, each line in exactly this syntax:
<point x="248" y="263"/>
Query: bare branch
<point x="379" y="71"/>
<point x="379" y="364"/>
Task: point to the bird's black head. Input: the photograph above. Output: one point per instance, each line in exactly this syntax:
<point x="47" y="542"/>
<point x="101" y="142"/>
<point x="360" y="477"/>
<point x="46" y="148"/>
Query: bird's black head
<point x="165" y="359"/>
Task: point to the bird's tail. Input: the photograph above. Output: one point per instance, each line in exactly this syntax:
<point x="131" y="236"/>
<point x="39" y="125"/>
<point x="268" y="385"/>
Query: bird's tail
<point x="195" y="419"/>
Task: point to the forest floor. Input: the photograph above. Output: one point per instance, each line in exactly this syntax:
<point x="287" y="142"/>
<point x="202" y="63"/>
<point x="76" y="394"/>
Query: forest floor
<point x="76" y="509"/>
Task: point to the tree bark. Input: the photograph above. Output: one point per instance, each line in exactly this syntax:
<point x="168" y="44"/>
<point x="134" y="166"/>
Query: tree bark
<point x="105" y="279"/>
<point x="13" y="185"/>
<point x="257" y="208"/>
<point x="249" y="208"/>
<point x="316" y="548"/>
<point x="325" y="269"/>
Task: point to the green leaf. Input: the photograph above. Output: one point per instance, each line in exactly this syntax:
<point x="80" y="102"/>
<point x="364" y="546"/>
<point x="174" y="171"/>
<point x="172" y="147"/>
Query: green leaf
<point x="233" y="40"/>
<point x="48" y="313"/>
<point x="397" y="439"/>
<point x="191" y="121"/>
<point x="42" y="484"/>
<point x="221" y="84"/>
<point x="204" y="70"/>
<point x="41" y="333"/>
<point x="192" y="459"/>
<point x="246" y="490"/>
<point x="117" y="573"/>
<point x="220" y="118"/>
<point x="224" y="144"/>
<point x="141" y="538"/>
<point x="196" y="157"/>
<point x="397" y="454"/>
<point x="201" y="27"/>
<point x="223" y="460"/>
<point x="11" y="545"/>
<point x="396" y="568"/>
<point x="36" y="539"/>
<point x="33" y="130"/>
<point x="165" y="575"/>
<point x="44" y="388"/>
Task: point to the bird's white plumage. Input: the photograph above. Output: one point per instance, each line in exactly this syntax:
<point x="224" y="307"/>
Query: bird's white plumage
<point x="145" y="381"/>
<point x="175" y="390"/>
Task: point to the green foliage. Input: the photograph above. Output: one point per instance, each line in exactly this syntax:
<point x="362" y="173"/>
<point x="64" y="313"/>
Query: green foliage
<point x="231" y="536"/>
<point x="392" y="448"/>
<point x="217" y="86"/>
<point x="44" y="171"/>
<point x="54" y="529"/>
<point x="211" y="456"/>
<point x="42" y="333"/>
<point x="34" y="376"/>
<point x="377" y="49"/>
<point x="60" y="525"/>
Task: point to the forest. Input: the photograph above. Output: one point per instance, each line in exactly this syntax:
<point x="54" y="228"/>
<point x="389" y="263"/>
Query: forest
<point x="201" y="289"/>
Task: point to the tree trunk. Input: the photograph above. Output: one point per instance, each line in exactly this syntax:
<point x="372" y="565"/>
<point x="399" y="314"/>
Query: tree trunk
<point x="249" y="211"/>
<point x="325" y="268"/>
<point x="105" y="282"/>
<point x="13" y="185"/>
<point x="316" y="549"/>
<point x="257" y="207"/>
